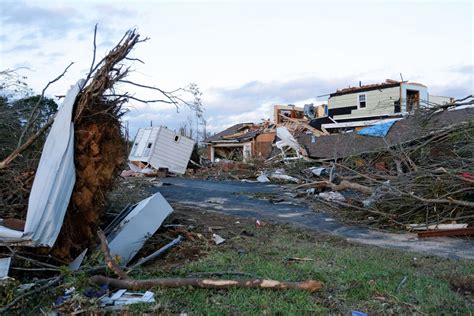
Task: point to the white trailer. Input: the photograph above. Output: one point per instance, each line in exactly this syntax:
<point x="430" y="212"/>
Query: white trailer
<point x="160" y="147"/>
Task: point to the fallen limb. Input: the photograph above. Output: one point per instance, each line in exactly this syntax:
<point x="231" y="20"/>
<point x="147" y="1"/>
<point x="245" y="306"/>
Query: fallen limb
<point x="221" y="273"/>
<point x="109" y="261"/>
<point x="310" y="285"/>
<point x="343" y="185"/>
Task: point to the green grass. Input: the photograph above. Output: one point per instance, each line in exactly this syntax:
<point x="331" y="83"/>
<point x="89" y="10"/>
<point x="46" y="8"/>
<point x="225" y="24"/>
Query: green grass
<point x="356" y="278"/>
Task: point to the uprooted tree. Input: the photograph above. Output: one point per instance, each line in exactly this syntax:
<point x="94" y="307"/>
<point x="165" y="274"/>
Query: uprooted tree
<point x="99" y="149"/>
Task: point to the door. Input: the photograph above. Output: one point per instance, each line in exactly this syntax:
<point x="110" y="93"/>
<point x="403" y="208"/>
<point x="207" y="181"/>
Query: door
<point x="413" y="100"/>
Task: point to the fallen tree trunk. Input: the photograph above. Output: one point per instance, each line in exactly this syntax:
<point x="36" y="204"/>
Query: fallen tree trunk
<point x="310" y="285"/>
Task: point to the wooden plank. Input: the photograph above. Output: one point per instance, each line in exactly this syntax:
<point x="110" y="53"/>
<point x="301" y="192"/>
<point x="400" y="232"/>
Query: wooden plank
<point x="447" y="232"/>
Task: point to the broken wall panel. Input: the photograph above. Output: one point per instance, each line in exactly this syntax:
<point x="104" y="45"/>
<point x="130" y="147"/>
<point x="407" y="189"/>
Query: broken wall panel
<point x="264" y="145"/>
<point x="137" y="226"/>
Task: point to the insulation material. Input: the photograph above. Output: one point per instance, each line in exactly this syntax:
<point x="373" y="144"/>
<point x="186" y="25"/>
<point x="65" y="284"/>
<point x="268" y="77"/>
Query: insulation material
<point x="53" y="183"/>
<point x="161" y="147"/>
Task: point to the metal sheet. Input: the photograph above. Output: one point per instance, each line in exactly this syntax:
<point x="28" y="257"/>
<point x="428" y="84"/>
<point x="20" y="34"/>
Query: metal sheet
<point x="140" y="224"/>
<point x="53" y="183"/>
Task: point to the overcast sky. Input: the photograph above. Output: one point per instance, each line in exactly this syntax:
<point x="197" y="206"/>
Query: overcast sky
<point x="245" y="55"/>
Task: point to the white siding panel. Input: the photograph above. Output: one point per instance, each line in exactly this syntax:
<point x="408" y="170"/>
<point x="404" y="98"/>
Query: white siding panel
<point x="379" y="102"/>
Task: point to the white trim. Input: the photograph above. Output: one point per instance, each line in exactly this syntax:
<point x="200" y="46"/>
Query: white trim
<point x="359" y="123"/>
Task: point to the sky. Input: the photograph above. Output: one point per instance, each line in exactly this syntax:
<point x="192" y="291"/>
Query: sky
<point x="245" y="56"/>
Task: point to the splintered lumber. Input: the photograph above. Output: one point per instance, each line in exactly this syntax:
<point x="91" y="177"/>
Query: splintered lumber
<point x="447" y="232"/>
<point x="310" y="285"/>
<point x="304" y="125"/>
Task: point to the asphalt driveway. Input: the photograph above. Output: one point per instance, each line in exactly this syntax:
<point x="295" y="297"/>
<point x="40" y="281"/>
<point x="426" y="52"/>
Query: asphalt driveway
<point x="257" y="200"/>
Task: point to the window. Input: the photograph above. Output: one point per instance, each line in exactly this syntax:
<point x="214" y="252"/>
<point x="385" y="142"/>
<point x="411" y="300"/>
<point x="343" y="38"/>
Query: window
<point x="362" y="100"/>
<point x="149" y="145"/>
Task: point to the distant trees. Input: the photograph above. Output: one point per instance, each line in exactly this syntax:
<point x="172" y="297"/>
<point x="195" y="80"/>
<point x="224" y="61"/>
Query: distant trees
<point x="22" y="114"/>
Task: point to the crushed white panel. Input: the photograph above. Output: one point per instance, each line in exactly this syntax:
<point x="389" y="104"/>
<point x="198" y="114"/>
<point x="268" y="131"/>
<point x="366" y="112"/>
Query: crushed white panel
<point x="123" y="297"/>
<point x="436" y="226"/>
<point x="162" y="148"/>
<point x="140" y="224"/>
<point x="53" y="183"/>
<point x="4" y="267"/>
<point x="286" y="139"/>
<point x="76" y="263"/>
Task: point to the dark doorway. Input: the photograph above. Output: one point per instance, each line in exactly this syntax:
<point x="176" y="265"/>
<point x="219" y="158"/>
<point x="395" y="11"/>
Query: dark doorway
<point x="413" y="100"/>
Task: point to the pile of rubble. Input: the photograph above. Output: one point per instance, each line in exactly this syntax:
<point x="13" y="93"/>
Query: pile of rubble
<point x="414" y="172"/>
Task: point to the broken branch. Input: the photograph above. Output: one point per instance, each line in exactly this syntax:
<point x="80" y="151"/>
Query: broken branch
<point x="310" y="285"/>
<point x="110" y="262"/>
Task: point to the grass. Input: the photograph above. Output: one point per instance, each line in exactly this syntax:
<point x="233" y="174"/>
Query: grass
<point x="356" y="278"/>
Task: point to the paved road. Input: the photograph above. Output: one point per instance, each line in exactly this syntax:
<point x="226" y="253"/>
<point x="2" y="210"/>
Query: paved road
<point x="238" y="198"/>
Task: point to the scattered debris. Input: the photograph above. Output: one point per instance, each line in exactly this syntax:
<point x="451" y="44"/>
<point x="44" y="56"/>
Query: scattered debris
<point x="332" y="196"/>
<point x="4" y="267"/>
<point x="435" y="226"/>
<point x="280" y="175"/>
<point x="76" y="263"/>
<point x="123" y="297"/>
<point x="217" y="239"/>
<point x="299" y="259"/>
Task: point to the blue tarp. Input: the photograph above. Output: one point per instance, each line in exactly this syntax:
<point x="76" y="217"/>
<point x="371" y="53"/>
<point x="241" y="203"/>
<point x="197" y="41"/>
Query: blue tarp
<point x="378" y="130"/>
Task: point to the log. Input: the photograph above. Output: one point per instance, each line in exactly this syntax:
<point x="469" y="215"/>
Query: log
<point x="310" y="285"/>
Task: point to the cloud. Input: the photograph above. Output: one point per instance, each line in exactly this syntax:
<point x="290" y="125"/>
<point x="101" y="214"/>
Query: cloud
<point x="48" y="22"/>
<point x="463" y="69"/>
<point x="22" y="47"/>
<point x="250" y="102"/>
<point x="254" y="100"/>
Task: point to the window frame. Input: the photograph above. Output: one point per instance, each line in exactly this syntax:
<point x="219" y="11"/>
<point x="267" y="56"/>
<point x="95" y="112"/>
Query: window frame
<point x="358" y="100"/>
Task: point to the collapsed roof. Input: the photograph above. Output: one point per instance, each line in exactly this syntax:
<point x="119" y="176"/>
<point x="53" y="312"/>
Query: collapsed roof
<point x="376" y="86"/>
<point x="237" y="133"/>
<point x="347" y="144"/>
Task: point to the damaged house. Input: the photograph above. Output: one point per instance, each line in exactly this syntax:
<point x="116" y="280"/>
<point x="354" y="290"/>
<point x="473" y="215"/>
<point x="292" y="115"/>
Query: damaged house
<point x="241" y="142"/>
<point x="365" y="105"/>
